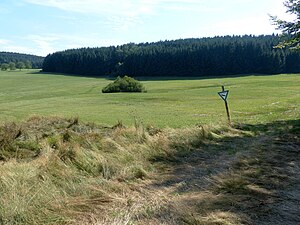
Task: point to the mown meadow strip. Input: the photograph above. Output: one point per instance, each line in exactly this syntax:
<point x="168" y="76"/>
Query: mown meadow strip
<point x="169" y="102"/>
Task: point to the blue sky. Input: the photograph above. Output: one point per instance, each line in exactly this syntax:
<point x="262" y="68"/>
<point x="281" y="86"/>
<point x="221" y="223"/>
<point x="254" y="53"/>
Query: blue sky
<point x="41" y="27"/>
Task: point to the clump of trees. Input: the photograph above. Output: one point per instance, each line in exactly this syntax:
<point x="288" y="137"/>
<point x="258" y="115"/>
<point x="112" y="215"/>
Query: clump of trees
<point x="124" y="84"/>
<point x="17" y="65"/>
<point x="12" y="61"/>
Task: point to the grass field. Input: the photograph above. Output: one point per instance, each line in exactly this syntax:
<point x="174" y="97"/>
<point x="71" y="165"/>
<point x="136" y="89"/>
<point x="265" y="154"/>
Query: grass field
<point x="168" y="103"/>
<point x="61" y="170"/>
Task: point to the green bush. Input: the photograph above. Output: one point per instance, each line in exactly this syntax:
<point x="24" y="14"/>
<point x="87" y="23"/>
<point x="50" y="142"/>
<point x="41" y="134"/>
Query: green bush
<point x="124" y="84"/>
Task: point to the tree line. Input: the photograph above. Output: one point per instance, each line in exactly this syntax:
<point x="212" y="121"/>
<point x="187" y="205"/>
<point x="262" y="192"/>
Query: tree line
<point x="14" y="66"/>
<point x="12" y="61"/>
<point x="216" y="56"/>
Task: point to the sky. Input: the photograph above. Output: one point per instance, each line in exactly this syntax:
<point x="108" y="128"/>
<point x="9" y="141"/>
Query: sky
<point x="41" y="27"/>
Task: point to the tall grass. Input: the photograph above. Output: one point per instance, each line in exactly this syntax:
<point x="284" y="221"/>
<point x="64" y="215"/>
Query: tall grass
<point x="54" y="170"/>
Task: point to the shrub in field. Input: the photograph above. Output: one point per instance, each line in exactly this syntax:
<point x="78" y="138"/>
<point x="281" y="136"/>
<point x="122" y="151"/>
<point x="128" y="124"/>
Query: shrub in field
<point x="124" y="84"/>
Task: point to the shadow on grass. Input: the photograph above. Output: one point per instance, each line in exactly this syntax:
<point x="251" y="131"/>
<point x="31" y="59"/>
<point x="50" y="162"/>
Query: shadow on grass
<point x="69" y="75"/>
<point x="238" y="180"/>
<point x="153" y="78"/>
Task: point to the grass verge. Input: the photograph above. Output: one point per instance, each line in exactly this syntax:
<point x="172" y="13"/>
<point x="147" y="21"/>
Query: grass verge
<point x="58" y="171"/>
<point x="54" y="170"/>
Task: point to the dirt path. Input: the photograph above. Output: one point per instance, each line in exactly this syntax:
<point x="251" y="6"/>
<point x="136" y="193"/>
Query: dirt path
<point x="286" y="209"/>
<point x="237" y="180"/>
<point x="249" y="180"/>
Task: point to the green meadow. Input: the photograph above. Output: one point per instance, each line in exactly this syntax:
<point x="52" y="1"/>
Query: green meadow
<point x="172" y="102"/>
<point x="61" y="170"/>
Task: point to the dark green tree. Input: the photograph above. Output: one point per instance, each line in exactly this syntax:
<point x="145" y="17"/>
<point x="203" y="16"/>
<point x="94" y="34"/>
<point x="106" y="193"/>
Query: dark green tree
<point x="290" y="29"/>
<point x="28" y="64"/>
<point x="4" y="66"/>
<point x="12" y="66"/>
<point x="35" y="61"/>
<point x="20" y="65"/>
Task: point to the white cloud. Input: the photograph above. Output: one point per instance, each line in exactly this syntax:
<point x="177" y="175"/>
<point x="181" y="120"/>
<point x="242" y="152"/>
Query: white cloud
<point x="31" y="44"/>
<point x="49" y="43"/>
<point x="121" y="7"/>
<point x="248" y="25"/>
<point x="43" y="44"/>
<point x="119" y="14"/>
<point x="136" y="8"/>
<point x="4" y="42"/>
<point x="18" y="49"/>
<point x="121" y="23"/>
<point x="91" y="40"/>
<point x="10" y="46"/>
<point x="123" y="14"/>
<point x="279" y="10"/>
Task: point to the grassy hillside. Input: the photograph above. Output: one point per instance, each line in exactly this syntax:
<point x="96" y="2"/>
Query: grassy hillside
<point x="168" y="103"/>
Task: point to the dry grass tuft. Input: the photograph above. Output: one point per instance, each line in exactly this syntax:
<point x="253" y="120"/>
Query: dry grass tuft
<point x="57" y="171"/>
<point x="54" y="169"/>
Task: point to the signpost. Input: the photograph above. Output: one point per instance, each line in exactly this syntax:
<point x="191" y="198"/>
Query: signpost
<point x="224" y="94"/>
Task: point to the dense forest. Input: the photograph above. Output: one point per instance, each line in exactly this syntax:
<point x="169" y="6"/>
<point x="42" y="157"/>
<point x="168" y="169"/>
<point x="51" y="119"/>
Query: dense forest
<point x="9" y="57"/>
<point x="226" y="55"/>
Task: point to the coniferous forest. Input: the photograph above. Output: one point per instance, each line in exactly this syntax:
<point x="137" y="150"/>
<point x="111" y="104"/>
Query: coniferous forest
<point x="217" y="56"/>
<point x="9" y="57"/>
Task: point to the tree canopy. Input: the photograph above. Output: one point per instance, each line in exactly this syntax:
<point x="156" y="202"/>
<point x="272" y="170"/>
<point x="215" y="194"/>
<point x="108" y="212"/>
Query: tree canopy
<point x="21" y="60"/>
<point x="217" y="56"/>
<point x="4" y="66"/>
<point x="290" y="29"/>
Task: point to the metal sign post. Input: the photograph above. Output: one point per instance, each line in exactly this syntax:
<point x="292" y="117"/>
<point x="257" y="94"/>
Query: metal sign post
<point x="224" y="94"/>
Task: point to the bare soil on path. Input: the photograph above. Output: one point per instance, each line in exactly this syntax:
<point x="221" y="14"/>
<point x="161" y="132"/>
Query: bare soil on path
<point x="238" y="179"/>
